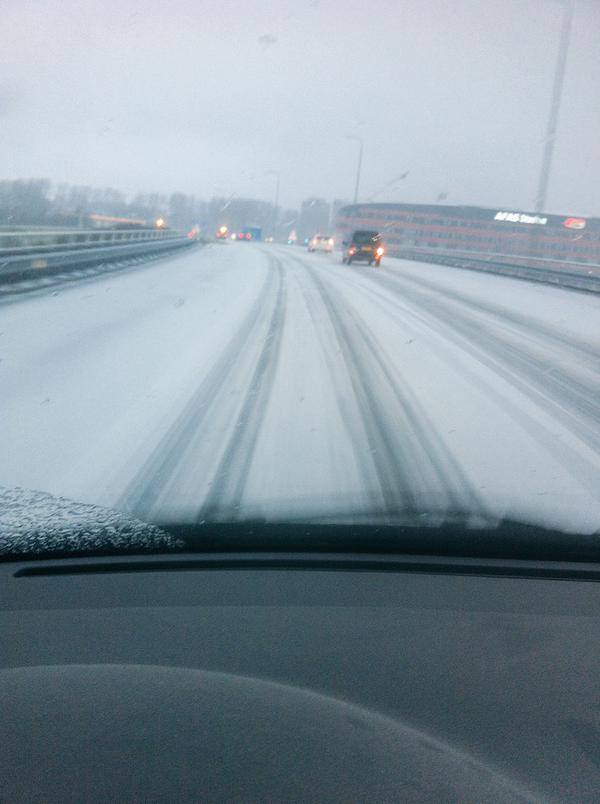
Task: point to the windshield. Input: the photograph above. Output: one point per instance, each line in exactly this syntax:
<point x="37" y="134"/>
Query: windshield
<point x="364" y="238"/>
<point x="177" y="348"/>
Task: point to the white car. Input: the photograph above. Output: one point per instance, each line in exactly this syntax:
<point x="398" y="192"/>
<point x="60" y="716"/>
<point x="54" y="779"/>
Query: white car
<point x="321" y="242"/>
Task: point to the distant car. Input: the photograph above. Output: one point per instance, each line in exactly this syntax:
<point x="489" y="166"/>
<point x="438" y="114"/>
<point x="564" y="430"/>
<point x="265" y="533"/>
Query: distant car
<point x="321" y="242"/>
<point x="249" y="233"/>
<point x="364" y="246"/>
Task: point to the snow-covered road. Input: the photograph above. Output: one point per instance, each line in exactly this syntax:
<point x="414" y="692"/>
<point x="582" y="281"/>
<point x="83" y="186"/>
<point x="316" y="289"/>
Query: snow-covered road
<point x="247" y="380"/>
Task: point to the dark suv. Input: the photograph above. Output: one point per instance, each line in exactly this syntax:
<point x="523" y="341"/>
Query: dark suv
<point x="365" y="246"/>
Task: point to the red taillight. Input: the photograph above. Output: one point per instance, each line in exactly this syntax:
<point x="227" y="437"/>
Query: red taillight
<point x="248" y="236"/>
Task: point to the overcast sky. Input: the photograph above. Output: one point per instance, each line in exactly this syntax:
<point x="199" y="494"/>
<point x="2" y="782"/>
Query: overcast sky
<point x="208" y="96"/>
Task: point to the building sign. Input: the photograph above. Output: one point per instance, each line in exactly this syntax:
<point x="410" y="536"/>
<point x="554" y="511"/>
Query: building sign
<point x="574" y="223"/>
<point x="519" y="217"/>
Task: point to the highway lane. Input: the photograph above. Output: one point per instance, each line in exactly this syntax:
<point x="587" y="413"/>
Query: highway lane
<point x="248" y="380"/>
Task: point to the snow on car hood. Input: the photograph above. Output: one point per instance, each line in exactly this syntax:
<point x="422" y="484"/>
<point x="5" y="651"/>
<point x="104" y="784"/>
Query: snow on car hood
<point x="33" y="523"/>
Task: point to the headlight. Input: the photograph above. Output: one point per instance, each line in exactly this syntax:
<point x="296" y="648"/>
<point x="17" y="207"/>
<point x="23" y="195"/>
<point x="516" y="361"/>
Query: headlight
<point x="380" y="252"/>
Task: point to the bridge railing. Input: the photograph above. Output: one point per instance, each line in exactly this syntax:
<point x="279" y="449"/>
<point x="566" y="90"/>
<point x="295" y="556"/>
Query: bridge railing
<point x="28" y="241"/>
<point x="39" y="254"/>
<point x="577" y="275"/>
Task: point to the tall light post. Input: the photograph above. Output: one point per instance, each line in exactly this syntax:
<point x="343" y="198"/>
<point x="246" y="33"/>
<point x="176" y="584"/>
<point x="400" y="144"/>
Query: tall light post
<point x="559" y="78"/>
<point x="359" y="165"/>
<point x="276" y="204"/>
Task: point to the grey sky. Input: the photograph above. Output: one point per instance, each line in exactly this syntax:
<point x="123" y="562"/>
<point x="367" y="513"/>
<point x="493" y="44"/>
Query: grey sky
<point x="208" y="96"/>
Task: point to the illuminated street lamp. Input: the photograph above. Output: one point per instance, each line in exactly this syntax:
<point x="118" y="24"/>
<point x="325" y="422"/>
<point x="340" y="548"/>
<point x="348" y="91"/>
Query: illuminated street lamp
<point x="160" y="223"/>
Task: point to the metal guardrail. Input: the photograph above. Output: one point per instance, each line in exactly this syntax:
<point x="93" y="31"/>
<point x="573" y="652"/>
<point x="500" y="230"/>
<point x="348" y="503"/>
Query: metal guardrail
<point x="6" y="227"/>
<point x="19" y="266"/>
<point x="32" y="240"/>
<point x="579" y="276"/>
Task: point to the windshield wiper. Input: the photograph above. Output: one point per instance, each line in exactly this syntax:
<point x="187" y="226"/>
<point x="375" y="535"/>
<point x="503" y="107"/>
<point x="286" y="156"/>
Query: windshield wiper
<point x="34" y="524"/>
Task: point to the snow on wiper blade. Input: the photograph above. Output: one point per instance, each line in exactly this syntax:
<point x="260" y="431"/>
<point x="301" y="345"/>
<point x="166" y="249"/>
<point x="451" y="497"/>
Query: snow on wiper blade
<point x="33" y="523"/>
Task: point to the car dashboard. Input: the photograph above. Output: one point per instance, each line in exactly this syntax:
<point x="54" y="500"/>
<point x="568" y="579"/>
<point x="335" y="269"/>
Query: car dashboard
<point x="298" y="677"/>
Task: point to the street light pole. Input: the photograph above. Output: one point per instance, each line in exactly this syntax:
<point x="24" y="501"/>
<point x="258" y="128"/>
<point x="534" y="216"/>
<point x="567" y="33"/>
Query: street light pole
<point x="359" y="165"/>
<point x="277" y="178"/>
<point x="559" y="77"/>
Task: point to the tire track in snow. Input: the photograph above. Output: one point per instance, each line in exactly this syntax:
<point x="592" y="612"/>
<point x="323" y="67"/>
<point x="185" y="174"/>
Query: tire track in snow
<point x="341" y="386"/>
<point x="160" y="470"/>
<point x="404" y="446"/>
<point x="573" y="401"/>
<point x="439" y="331"/>
<point x="526" y="326"/>
<point x="396" y="303"/>
<point x="230" y="478"/>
